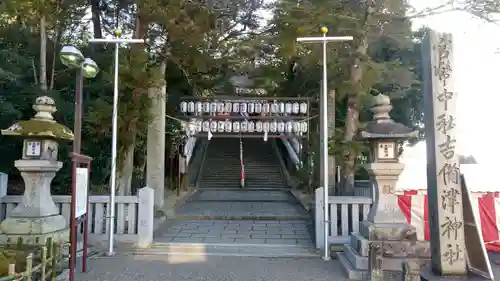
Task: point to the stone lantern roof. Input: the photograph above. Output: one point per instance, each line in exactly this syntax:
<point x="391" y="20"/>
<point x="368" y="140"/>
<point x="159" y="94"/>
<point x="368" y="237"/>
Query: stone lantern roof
<point x="382" y="126"/>
<point x="42" y="125"/>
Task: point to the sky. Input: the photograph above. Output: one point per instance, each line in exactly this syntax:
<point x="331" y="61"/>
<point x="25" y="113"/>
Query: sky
<point x="477" y="75"/>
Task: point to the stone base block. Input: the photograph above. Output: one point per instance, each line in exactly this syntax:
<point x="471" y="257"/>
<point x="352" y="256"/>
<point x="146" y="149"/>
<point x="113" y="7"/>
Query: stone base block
<point x="351" y="272"/>
<point x="34" y="230"/>
<point x="412" y="249"/>
<point x="387" y="231"/>
<point x="361" y="263"/>
<point x="61" y="236"/>
<point x="426" y="274"/>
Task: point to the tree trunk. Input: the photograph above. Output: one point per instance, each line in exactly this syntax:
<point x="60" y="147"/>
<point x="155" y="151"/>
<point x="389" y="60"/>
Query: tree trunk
<point x="352" y="120"/>
<point x="96" y="19"/>
<point x="43" y="54"/>
<point x="155" y="173"/>
<point x="353" y="107"/>
<point x="129" y="126"/>
<point x="124" y="176"/>
<point x="331" y="136"/>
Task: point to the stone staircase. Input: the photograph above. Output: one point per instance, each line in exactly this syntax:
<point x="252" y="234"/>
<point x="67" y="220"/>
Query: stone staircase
<point x="263" y="219"/>
<point x="262" y="166"/>
<point x="221" y="167"/>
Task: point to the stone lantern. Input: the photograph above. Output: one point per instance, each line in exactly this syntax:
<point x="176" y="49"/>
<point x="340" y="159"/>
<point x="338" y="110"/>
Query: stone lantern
<point x="386" y="227"/>
<point x="36" y="217"/>
<point x="385" y="136"/>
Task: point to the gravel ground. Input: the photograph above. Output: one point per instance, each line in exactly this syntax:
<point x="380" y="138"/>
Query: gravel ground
<point x="213" y="268"/>
<point x="160" y="268"/>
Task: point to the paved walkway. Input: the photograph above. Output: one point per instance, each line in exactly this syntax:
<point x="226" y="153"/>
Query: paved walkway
<point x="224" y="204"/>
<point x="239" y="217"/>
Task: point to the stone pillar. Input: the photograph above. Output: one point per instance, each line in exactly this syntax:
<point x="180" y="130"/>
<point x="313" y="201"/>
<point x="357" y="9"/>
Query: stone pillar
<point x="386" y="226"/>
<point x="444" y="187"/>
<point x="36" y="217"/>
<point x="385" y="207"/>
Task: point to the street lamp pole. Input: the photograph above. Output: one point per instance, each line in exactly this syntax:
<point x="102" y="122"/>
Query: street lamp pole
<point x="324" y="129"/>
<point x="77" y="141"/>
<point x="114" y="140"/>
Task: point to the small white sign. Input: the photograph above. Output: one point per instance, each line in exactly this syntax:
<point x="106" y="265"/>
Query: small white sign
<point x="82" y="181"/>
<point x="33" y="148"/>
<point x="386" y="150"/>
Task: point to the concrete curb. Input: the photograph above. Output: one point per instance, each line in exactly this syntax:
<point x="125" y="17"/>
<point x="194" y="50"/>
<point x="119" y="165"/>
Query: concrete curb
<point x="305" y="200"/>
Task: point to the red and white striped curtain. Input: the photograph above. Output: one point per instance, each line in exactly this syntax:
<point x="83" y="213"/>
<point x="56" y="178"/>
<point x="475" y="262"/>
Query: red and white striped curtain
<point x="486" y="206"/>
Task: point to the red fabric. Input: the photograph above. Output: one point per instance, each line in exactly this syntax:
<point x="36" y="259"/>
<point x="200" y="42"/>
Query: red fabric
<point x="487" y="217"/>
<point x="404" y="202"/>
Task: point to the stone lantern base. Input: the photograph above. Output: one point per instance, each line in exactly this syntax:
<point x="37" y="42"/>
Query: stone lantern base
<point x="36" y="217"/>
<point x="387" y="228"/>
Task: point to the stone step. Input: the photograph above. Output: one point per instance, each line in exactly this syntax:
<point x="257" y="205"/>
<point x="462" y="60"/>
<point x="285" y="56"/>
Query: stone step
<point x="304" y="217"/>
<point x="351" y="272"/>
<point x="237" y="250"/>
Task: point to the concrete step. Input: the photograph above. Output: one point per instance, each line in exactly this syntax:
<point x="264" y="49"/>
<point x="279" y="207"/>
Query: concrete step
<point x="234" y="250"/>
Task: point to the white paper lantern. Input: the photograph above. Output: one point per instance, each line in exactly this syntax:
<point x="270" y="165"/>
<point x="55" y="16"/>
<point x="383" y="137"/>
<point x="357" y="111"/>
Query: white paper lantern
<point x="199" y="107"/>
<point x="198" y="126"/>
<point x="191" y="106"/>
<point x="243" y="107"/>
<point x="266" y="126"/>
<point x="213" y="107"/>
<point x="183" y="107"/>
<point x="281" y="127"/>
<point x="228" y="107"/>
<point x="244" y="126"/>
<point x="303" y="107"/>
<point x="259" y="126"/>
<point x="236" y="107"/>
<point x="206" y="126"/>
<point x="220" y="126"/>
<point x="288" y="108"/>
<point x="266" y="108"/>
<point x="251" y="126"/>
<point x="206" y="107"/>
<point x="295" y="127"/>
<point x="251" y="107"/>
<point x="236" y="126"/>
<point x="289" y="127"/>
<point x="295" y="108"/>
<point x="220" y="107"/>
<point x="213" y="126"/>
<point x="281" y="107"/>
<point x="258" y="107"/>
<point x="273" y="127"/>
<point x="228" y="126"/>
<point x="274" y="107"/>
<point x="303" y="127"/>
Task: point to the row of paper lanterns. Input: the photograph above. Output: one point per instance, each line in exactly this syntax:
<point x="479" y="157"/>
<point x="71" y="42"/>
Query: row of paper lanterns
<point x="245" y="126"/>
<point x="248" y="107"/>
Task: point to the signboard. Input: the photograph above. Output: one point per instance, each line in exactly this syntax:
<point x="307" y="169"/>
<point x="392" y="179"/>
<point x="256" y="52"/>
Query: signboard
<point x="477" y="257"/>
<point x="82" y="182"/>
<point x="33" y="148"/>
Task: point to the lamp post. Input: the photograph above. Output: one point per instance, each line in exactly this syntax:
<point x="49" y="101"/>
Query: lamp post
<point x="324" y="128"/>
<point x="87" y="68"/>
<point x="117" y="41"/>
